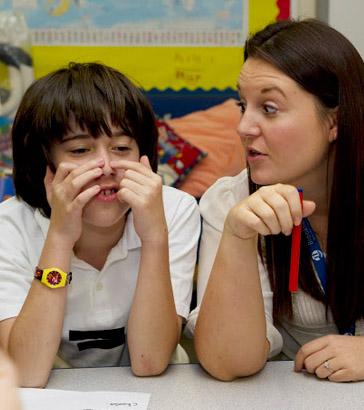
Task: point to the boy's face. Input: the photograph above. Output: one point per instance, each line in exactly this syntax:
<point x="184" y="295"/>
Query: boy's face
<point x="77" y="148"/>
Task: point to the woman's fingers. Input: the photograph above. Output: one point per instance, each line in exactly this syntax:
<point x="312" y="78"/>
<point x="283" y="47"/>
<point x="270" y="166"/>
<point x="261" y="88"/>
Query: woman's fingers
<point x="308" y="208"/>
<point x="283" y="208"/>
<point x="336" y="357"/>
<point x="269" y="211"/>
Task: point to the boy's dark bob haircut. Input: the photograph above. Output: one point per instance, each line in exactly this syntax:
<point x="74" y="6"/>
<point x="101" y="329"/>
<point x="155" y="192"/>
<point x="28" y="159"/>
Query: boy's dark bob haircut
<point x="91" y="94"/>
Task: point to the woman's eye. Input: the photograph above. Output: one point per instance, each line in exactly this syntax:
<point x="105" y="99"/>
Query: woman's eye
<point x="242" y="106"/>
<point x="269" y="109"/>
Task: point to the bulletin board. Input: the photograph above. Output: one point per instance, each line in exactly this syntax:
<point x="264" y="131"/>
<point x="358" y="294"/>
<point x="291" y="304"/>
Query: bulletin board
<point x="159" y="44"/>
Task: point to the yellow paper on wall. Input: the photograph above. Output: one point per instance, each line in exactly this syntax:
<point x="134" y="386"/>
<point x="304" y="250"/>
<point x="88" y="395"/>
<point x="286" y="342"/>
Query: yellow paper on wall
<point x="164" y="67"/>
<point x="159" y="67"/>
<point x="261" y="13"/>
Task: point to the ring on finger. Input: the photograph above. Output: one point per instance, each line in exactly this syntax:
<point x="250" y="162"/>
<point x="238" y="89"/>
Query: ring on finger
<point x="327" y="366"/>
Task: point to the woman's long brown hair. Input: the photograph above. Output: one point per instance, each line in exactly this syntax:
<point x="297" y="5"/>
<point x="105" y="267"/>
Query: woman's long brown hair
<point x="323" y="62"/>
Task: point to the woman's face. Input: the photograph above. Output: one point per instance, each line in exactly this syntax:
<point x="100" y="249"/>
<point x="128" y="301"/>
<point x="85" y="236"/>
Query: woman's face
<point x="284" y="139"/>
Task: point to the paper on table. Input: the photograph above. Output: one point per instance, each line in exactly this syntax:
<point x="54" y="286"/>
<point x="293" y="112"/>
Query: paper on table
<point x="39" y="399"/>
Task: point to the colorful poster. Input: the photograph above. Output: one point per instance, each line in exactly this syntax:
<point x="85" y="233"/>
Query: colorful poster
<point x="160" y="44"/>
<point x="134" y="23"/>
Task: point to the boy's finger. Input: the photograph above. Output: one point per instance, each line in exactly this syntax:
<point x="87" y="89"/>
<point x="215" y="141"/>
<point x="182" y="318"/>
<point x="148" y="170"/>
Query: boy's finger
<point x="145" y="161"/>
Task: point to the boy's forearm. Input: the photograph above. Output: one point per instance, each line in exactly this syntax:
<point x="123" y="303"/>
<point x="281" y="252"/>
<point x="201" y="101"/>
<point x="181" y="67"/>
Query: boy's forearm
<point x="36" y="333"/>
<point x="154" y="327"/>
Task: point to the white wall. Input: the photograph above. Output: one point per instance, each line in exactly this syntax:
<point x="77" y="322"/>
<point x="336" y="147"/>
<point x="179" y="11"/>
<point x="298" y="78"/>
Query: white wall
<point x="347" y="16"/>
<point x="303" y="8"/>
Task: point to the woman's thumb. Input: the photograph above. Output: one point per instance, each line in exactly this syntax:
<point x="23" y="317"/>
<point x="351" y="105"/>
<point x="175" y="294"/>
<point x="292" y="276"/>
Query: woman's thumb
<point x="308" y="207"/>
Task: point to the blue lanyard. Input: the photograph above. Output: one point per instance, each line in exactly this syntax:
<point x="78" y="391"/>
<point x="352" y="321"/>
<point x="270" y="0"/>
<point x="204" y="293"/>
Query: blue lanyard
<point x="319" y="262"/>
<point x="316" y="253"/>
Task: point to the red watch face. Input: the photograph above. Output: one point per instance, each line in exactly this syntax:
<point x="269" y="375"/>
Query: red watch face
<point x="54" y="278"/>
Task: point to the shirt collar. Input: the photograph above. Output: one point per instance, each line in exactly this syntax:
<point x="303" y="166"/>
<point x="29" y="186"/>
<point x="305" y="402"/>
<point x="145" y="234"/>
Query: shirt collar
<point x="129" y="240"/>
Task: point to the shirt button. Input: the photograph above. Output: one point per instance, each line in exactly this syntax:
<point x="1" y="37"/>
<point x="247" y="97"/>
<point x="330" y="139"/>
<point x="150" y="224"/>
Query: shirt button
<point x="99" y="286"/>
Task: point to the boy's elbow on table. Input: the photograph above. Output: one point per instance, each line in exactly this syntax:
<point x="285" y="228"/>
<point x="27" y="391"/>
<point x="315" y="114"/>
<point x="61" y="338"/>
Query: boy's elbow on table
<point x="146" y="367"/>
<point x="33" y="380"/>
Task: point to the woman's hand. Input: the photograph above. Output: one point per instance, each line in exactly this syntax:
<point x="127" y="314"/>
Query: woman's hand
<point x="67" y="196"/>
<point x="269" y="211"/>
<point x="338" y="358"/>
<point x="141" y="188"/>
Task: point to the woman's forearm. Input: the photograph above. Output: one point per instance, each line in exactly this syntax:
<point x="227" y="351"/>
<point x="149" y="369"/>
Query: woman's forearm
<point x="230" y="335"/>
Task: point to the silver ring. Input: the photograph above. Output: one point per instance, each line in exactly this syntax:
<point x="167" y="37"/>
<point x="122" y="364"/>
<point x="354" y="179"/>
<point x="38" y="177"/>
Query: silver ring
<point x="326" y="364"/>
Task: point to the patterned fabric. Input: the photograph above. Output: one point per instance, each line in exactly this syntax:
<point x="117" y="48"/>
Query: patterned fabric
<point x="176" y="156"/>
<point x="6" y="159"/>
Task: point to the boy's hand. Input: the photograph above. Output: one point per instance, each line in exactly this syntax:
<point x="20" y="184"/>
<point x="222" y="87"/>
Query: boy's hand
<point x="141" y="188"/>
<point x="67" y="196"/>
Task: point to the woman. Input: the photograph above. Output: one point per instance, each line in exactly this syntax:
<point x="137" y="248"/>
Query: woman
<point x="89" y="202"/>
<point x="302" y="126"/>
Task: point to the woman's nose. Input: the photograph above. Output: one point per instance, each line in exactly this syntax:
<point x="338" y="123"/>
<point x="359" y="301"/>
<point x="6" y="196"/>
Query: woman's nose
<point x="248" y="126"/>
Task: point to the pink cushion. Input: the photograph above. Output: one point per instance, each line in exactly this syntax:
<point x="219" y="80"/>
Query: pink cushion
<point x="213" y="131"/>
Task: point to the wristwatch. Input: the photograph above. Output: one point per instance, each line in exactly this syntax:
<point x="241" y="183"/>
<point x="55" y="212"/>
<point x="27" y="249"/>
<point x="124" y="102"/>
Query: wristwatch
<point x="53" y="278"/>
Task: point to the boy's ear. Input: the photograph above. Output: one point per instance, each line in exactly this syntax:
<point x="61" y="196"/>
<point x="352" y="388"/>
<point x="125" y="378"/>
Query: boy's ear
<point x="333" y="124"/>
<point x="49" y="176"/>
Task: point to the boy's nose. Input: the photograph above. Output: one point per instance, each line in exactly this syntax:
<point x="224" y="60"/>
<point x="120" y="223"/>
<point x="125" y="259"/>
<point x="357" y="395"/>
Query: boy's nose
<point x="106" y="168"/>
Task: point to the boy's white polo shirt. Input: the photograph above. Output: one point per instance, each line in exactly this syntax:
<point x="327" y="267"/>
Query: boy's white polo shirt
<point x="98" y="302"/>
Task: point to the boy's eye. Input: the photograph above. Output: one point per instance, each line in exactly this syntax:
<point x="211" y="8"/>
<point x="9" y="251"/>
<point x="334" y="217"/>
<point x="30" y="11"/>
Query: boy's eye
<point x="122" y="148"/>
<point x="79" y="150"/>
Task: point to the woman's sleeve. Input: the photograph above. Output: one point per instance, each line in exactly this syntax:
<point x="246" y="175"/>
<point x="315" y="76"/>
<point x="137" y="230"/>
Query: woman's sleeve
<point x="214" y="206"/>
<point x="273" y="335"/>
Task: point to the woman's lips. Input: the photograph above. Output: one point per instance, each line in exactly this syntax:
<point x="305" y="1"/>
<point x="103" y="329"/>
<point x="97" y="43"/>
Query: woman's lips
<point x="254" y="155"/>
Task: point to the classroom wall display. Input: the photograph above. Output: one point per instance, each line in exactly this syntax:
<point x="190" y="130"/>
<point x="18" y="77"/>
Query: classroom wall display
<point x="160" y="44"/>
<point x="16" y="65"/>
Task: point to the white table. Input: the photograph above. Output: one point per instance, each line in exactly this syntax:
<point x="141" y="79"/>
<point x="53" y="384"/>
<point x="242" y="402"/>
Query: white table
<point x="277" y="386"/>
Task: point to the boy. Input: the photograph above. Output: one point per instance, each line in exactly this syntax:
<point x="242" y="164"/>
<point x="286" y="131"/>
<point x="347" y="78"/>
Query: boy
<point x="89" y="202"/>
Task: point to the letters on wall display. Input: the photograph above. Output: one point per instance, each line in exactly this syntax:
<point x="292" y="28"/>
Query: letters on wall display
<point x="185" y="44"/>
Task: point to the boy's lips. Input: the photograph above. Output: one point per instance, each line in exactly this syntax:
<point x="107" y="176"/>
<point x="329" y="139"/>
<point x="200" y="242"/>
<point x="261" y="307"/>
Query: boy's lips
<point x="108" y="193"/>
